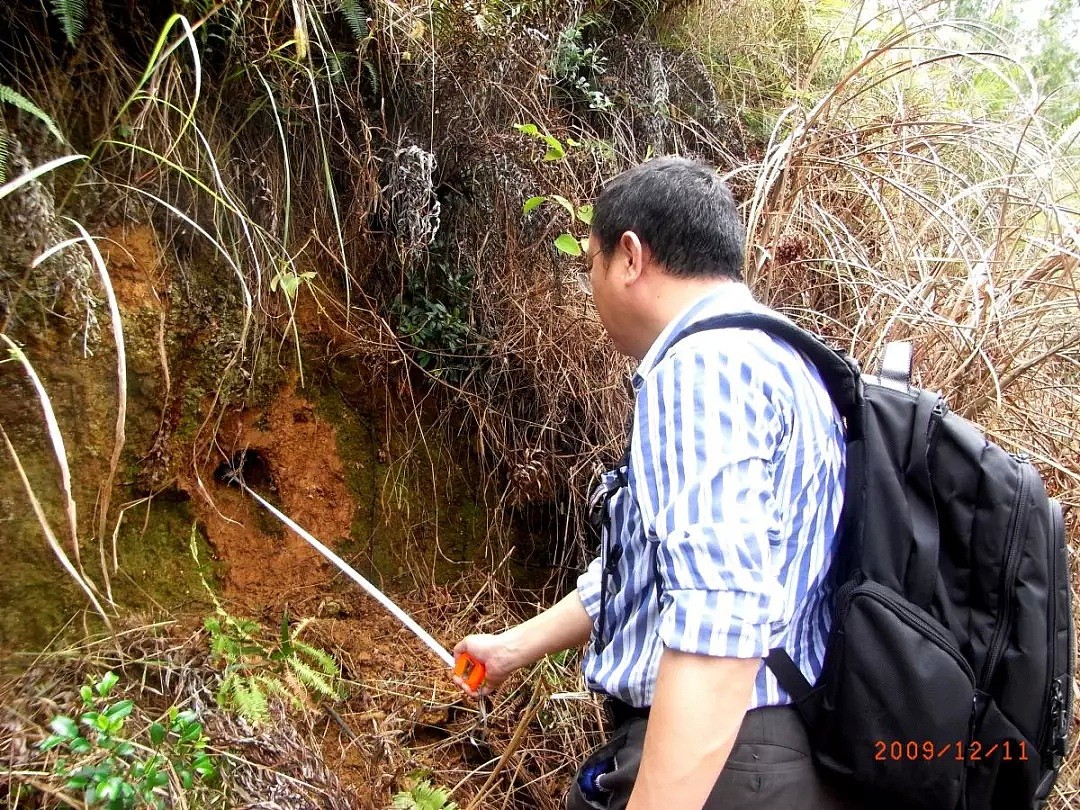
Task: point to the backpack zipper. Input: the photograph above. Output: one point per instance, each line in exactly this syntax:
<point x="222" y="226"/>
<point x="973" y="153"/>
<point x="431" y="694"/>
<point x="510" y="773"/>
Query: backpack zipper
<point x="1070" y="638"/>
<point x="890" y="599"/>
<point x="1013" y="547"/>
<point x="1055" y="723"/>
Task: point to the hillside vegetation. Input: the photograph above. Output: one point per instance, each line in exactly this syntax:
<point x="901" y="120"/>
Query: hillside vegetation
<point x="342" y="236"/>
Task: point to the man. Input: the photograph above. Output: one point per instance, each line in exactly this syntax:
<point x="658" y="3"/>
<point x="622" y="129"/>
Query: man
<point x="716" y="549"/>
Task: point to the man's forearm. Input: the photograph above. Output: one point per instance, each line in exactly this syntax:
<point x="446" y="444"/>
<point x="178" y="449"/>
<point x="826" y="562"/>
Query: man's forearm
<point x="697" y="709"/>
<point x="564" y="625"/>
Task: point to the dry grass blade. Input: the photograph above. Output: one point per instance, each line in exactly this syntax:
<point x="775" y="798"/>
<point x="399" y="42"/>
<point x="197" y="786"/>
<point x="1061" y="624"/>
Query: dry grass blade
<point x="82" y="581"/>
<point x="105" y="493"/>
<point x="27" y="177"/>
<point x="56" y="438"/>
<point x="527" y="717"/>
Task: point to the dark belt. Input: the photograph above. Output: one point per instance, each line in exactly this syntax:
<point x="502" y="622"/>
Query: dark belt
<point x="620" y="712"/>
<point x="763" y="724"/>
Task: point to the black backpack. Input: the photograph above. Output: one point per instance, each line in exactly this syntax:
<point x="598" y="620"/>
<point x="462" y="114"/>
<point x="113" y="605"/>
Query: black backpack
<point x="948" y="675"/>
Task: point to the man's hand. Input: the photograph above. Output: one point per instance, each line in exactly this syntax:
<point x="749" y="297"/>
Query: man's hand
<point x="560" y="627"/>
<point x="498" y="656"/>
<point x="698" y="707"/>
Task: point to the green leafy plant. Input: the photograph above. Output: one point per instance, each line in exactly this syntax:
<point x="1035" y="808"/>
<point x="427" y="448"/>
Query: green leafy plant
<point x="565" y="242"/>
<point x="297" y="673"/>
<point x="9" y="96"/>
<point x="556" y="149"/>
<point x="117" y="771"/>
<point x="21" y="102"/>
<point x="422" y="795"/>
<point x="577" y="67"/>
<point x="289" y="281"/>
<point x="433" y="318"/>
<point x="356" y="18"/>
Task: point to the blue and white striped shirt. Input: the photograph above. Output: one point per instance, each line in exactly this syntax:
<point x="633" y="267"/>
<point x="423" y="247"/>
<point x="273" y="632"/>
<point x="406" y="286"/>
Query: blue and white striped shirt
<point x="735" y="485"/>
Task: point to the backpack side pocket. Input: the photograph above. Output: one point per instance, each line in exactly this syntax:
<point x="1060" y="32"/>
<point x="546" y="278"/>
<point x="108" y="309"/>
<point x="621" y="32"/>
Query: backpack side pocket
<point x="894" y="711"/>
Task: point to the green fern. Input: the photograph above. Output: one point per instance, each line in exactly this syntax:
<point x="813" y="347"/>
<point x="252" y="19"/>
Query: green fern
<point x="26" y="105"/>
<point x="372" y="73"/>
<point x="356" y="19"/>
<point x="274" y="686"/>
<point x="251" y="699"/>
<point x="310" y="679"/>
<point x="320" y="658"/>
<point x="424" y="796"/>
<point x="296" y="673"/>
<point x="72" y="16"/>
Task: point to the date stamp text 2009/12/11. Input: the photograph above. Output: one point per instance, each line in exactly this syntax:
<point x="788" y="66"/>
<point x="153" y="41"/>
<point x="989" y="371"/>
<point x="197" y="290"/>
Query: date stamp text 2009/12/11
<point x="913" y="750"/>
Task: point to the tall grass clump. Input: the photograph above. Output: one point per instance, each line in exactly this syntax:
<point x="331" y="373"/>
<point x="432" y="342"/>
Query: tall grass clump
<point x="885" y="209"/>
<point x="761" y="54"/>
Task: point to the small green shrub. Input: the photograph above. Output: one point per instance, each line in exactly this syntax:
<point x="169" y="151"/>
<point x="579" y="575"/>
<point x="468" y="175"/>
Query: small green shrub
<point x="556" y="149"/>
<point x="577" y="67"/>
<point x="114" y="770"/>
<point x="290" y="281"/>
<point x="565" y="242"/>
<point x="433" y="318"/>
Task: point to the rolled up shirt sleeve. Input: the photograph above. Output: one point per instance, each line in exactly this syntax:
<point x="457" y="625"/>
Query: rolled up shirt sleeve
<point x="588" y="588"/>
<point x="709" y="428"/>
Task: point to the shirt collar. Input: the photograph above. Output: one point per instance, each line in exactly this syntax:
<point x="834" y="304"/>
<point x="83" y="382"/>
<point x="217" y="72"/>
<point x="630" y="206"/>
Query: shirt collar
<point x="722" y="300"/>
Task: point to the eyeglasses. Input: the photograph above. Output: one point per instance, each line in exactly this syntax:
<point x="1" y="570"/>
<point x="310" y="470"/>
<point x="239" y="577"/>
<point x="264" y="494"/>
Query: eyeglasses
<point x="584" y="273"/>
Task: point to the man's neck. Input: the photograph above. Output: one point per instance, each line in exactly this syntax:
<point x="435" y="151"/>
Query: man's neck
<point x="667" y="297"/>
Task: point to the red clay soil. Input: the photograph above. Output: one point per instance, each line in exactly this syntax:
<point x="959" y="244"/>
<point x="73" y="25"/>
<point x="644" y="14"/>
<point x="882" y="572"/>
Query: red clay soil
<point x="136" y="267"/>
<point x="268" y="564"/>
<point x="404" y="690"/>
<point x="265" y="564"/>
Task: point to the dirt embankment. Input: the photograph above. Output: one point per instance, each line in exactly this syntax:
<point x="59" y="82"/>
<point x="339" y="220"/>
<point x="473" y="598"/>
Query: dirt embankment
<point x="290" y="457"/>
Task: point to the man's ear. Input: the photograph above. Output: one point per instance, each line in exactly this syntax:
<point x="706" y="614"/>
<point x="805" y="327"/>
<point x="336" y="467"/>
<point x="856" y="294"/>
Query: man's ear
<point x="635" y="252"/>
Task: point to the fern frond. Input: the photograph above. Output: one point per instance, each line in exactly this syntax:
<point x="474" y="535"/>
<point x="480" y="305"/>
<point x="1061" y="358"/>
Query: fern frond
<point x="226" y="693"/>
<point x="312" y="680"/>
<point x="26" y="105"/>
<point x="272" y="685"/>
<point x="373" y="76"/>
<point x="245" y="696"/>
<point x="250" y="700"/>
<point x="298" y="693"/>
<point x="356" y="19"/>
<point x="72" y="16"/>
<point x="321" y="658"/>
<point x="423" y="796"/>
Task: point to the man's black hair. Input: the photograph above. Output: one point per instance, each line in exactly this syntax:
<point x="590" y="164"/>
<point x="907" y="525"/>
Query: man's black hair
<point x="681" y="210"/>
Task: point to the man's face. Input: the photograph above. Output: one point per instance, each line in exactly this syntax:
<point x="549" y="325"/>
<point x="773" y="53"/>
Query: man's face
<point x="610" y="293"/>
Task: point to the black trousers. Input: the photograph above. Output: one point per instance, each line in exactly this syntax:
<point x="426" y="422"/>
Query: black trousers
<point x="769" y="767"/>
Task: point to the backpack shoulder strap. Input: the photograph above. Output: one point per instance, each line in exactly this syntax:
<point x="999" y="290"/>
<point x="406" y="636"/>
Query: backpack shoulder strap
<point x="842" y="379"/>
<point x="839" y="371"/>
